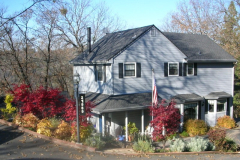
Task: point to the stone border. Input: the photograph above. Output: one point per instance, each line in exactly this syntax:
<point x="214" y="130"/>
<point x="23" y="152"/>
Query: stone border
<point x="91" y="149"/>
<point x="54" y="140"/>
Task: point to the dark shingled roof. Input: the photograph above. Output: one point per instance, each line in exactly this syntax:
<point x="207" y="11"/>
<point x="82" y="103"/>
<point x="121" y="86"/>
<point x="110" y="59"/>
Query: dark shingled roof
<point x="199" y="48"/>
<point x="184" y="98"/>
<point x="110" y="45"/>
<point x="114" y="103"/>
<point x="217" y="95"/>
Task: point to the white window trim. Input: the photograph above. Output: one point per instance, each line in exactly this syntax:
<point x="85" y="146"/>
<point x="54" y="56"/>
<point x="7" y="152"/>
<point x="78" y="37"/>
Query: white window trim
<point x="102" y="73"/>
<point x="169" y="68"/>
<point x="187" y="70"/>
<point x="135" y="64"/>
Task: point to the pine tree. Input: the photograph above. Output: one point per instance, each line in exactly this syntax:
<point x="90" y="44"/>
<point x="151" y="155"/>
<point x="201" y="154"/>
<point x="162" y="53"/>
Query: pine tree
<point x="230" y="33"/>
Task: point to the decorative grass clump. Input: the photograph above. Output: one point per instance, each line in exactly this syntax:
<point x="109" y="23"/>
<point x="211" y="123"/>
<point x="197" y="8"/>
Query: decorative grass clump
<point x="195" y="127"/>
<point x="226" y="122"/>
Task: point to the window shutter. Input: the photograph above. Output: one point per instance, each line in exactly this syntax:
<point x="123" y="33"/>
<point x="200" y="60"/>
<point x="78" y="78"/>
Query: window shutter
<point x="104" y="73"/>
<point x="195" y="69"/>
<point x="228" y="107"/>
<point x="180" y="69"/>
<point x="184" y="69"/>
<point x="95" y="72"/>
<point x="165" y="69"/>
<point x="206" y="106"/>
<point x="138" y="69"/>
<point x="120" y="70"/>
<point x="199" y="109"/>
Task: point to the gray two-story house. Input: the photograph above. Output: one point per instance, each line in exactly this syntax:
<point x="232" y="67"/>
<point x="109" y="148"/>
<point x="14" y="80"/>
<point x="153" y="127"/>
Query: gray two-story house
<point x="116" y="73"/>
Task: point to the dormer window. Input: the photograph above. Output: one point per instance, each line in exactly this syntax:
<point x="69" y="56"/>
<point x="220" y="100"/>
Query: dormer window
<point x="190" y="69"/>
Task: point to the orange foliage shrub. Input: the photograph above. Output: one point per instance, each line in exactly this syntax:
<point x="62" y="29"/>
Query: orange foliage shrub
<point x="226" y="122"/>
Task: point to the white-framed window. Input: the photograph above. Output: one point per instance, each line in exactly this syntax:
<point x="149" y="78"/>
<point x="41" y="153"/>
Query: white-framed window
<point x="190" y="69"/>
<point x="173" y="68"/>
<point x="221" y="105"/>
<point x="99" y="72"/>
<point x="130" y="69"/>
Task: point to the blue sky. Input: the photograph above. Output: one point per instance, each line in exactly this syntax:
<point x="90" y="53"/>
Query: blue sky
<point x="136" y="13"/>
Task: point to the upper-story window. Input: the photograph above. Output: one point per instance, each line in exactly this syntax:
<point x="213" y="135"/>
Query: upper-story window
<point x="99" y="73"/>
<point x="173" y="69"/>
<point x="190" y="68"/>
<point x="129" y="69"/>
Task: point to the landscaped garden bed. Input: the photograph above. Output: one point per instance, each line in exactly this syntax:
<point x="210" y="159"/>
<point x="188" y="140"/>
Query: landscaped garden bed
<point x="48" y="113"/>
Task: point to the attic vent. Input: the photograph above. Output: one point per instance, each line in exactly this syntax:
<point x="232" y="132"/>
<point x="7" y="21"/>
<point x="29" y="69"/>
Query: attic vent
<point x="134" y="36"/>
<point x="199" y="53"/>
<point x="153" y="32"/>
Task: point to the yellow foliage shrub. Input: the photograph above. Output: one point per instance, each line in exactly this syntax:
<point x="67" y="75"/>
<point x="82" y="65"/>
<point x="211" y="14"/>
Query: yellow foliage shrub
<point x="226" y="122"/>
<point x="29" y="121"/>
<point x="9" y="111"/>
<point x="85" y="132"/>
<point x="44" y="127"/>
<point x="195" y="127"/>
<point x="63" y="131"/>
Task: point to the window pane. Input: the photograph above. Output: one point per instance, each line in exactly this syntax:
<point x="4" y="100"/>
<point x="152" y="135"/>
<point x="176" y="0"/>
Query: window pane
<point x="190" y="69"/>
<point x="129" y="69"/>
<point x="99" y="73"/>
<point x="221" y="105"/>
<point x="173" y="69"/>
<point x="211" y="107"/>
<point x="190" y="111"/>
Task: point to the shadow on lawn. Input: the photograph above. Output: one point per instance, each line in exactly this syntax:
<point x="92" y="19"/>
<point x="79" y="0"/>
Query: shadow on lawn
<point x="8" y="134"/>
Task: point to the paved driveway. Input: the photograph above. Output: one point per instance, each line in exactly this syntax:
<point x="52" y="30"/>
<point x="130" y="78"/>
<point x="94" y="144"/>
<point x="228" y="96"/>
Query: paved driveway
<point x="15" y="144"/>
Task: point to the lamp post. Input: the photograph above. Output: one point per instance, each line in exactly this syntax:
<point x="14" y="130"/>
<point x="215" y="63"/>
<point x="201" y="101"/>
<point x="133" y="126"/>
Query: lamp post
<point x="76" y="80"/>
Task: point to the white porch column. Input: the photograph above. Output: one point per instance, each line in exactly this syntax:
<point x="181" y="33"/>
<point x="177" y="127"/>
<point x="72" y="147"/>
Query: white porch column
<point x="215" y="112"/>
<point x="126" y="125"/>
<point x="182" y="116"/>
<point x="142" y="122"/>
<point x="103" y="124"/>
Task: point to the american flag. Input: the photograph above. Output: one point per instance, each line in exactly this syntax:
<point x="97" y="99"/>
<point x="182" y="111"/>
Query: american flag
<point x="154" y="88"/>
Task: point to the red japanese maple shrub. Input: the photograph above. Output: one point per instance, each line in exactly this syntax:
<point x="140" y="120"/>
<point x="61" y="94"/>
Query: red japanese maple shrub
<point x="164" y="115"/>
<point x="70" y="112"/>
<point x="41" y="102"/>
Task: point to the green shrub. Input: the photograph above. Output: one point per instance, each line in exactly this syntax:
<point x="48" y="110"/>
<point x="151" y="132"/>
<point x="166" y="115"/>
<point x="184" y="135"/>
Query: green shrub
<point x="217" y="137"/>
<point x="226" y="122"/>
<point x="95" y="141"/>
<point x="143" y="146"/>
<point x="184" y="134"/>
<point x="229" y="145"/>
<point x="177" y="145"/>
<point x="198" y="144"/>
<point x="195" y="127"/>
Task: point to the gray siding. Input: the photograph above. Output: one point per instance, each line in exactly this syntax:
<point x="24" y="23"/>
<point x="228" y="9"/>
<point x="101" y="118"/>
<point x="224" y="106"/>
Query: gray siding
<point x="152" y="52"/>
<point x="88" y="83"/>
